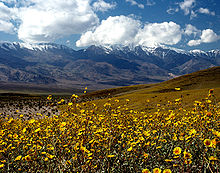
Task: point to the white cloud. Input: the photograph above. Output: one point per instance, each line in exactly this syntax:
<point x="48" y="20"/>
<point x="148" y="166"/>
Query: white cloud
<point x="6" y="15"/>
<point x="207" y="36"/>
<point x="46" y="20"/>
<point x="154" y="34"/>
<point x="113" y="30"/>
<point x="150" y="3"/>
<point x="187" y="5"/>
<point x="191" y="30"/>
<point x="206" y="11"/>
<point x="133" y="2"/>
<point x="194" y="42"/>
<point x="6" y="27"/>
<point x="101" y="5"/>
<point x="4" y="12"/>
<point x="9" y="1"/>
<point x="125" y="30"/>
<point x="172" y="10"/>
<point x="193" y="15"/>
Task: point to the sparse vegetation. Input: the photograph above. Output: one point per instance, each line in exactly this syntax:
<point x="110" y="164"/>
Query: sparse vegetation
<point x="158" y="128"/>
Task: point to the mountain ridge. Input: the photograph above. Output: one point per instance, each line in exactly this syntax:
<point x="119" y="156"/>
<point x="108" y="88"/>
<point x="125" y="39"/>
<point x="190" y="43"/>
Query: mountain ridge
<point x="97" y="67"/>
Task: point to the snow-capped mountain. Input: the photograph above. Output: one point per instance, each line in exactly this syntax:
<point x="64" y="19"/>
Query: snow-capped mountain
<point x="97" y="66"/>
<point x="35" y="47"/>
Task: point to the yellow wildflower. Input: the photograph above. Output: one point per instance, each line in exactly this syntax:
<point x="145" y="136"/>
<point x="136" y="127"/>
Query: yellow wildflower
<point x="187" y="155"/>
<point x="37" y="130"/>
<point x="146" y="155"/>
<point x="156" y="170"/>
<point x="46" y="159"/>
<point x="167" y="171"/>
<point x="129" y="149"/>
<point x="24" y="130"/>
<point x="213" y="158"/>
<point x="188" y="162"/>
<point x="70" y="104"/>
<point x="18" y="158"/>
<point x="49" y="97"/>
<point x="177" y="151"/>
<point x="27" y="158"/>
<point x="145" y="171"/>
<point x="207" y="142"/>
<point x="63" y="124"/>
<point x="211" y="91"/>
<point x="31" y="121"/>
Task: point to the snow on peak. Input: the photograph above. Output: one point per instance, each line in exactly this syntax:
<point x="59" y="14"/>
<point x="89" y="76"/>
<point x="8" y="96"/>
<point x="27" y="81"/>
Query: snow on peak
<point x="162" y="49"/>
<point x="41" y="47"/>
<point x="36" y="47"/>
<point x="149" y="49"/>
<point x="216" y="51"/>
<point x="8" y="46"/>
<point x="117" y="47"/>
<point x="197" y="51"/>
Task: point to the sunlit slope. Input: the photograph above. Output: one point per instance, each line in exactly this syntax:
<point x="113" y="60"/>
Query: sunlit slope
<point x="193" y="87"/>
<point x="209" y="78"/>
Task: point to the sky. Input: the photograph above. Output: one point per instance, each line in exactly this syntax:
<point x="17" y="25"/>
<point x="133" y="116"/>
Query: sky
<point x="184" y="24"/>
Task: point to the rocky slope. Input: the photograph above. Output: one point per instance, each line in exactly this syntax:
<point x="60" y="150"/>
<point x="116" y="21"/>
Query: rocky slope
<point x="58" y="66"/>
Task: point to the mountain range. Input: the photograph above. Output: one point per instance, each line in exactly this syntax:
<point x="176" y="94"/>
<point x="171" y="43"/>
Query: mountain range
<point x="59" y="67"/>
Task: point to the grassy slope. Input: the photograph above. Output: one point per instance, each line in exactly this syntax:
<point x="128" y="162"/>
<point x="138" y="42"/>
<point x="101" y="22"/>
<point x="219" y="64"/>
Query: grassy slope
<point x="193" y="86"/>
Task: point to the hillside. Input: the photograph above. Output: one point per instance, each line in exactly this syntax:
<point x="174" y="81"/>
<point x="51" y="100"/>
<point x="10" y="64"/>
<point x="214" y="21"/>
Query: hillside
<point x="50" y="66"/>
<point x="209" y="78"/>
<point x="138" y="128"/>
<point x="194" y="86"/>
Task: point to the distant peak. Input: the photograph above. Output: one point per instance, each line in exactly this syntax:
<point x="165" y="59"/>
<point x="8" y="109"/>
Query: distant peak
<point x="132" y="47"/>
<point x="197" y="51"/>
<point x="30" y="46"/>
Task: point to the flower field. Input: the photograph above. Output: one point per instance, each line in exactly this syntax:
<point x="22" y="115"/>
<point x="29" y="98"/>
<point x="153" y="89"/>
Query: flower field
<point x="114" y="138"/>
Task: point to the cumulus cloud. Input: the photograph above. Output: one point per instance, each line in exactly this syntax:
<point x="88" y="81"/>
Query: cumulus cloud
<point x="125" y="30"/>
<point x="191" y="30"/>
<point x="207" y="36"/>
<point x="6" y="26"/>
<point x="150" y="2"/>
<point x="133" y="2"/>
<point x="4" y="12"/>
<point x="101" y="5"/>
<point x="206" y="11"/>
<point x="187" y="5"/>
<point x="47" y="20"/>
<point x="6" y="15"/>
<point x="154" y="34"/>
<point x="113" y="30"/>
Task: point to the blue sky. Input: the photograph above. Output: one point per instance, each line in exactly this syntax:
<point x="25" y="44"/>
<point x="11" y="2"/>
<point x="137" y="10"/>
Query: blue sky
<point x="185" y="24"/>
